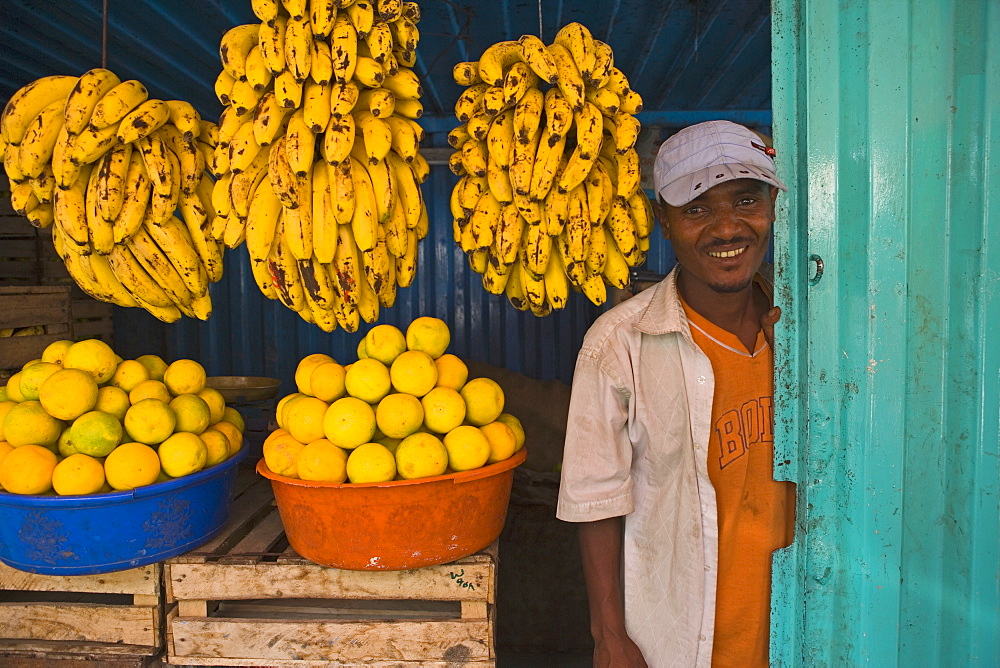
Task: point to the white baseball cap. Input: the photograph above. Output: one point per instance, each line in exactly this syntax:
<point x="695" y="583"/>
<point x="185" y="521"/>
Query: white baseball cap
<point x="707" y="154"/>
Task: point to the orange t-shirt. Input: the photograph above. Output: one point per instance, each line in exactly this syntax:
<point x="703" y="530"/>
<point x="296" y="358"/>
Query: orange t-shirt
<point x="755" y="512"/>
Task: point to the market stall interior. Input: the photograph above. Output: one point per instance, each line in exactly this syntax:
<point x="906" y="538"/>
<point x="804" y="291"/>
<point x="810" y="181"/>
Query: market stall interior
<point x="690" y="60"/>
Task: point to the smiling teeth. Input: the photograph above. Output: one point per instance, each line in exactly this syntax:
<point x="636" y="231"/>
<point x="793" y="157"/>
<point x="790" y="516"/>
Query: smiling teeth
<point x="731" y="253"/>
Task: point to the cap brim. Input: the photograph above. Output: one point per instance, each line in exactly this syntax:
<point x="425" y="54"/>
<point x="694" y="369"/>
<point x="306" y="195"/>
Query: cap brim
<point x="690" y="186"/>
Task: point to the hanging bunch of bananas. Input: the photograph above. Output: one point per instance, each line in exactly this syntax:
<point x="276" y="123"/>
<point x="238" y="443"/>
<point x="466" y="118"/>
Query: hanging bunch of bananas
<point x="549" y="197"/>
<point x="107" y="167"/>
<point x="318" y="154"/>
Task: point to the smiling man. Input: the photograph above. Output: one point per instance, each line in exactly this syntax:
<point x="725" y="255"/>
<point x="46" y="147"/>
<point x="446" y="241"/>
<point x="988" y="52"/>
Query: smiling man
<point x="668" y="459"/>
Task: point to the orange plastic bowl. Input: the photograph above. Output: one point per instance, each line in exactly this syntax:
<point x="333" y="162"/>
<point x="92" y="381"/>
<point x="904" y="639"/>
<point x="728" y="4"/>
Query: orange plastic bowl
<point x="397" y="525"/>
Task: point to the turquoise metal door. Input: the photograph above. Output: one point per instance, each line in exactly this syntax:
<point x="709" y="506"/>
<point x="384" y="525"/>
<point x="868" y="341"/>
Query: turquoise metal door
<point x="886" y="121"/>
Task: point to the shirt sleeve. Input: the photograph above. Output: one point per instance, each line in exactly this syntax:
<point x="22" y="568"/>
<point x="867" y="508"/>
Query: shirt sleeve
<point x="596" y="480"/>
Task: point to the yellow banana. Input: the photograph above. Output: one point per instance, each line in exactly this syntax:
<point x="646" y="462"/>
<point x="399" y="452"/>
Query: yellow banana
<point x="187" y="119"/>
<point x="82" y="99"/>
<point x="142" y="120"/>
<point x="534" y="289"/>
<point x="570" y="81"/>
<point x="376" y="133"/>
<point x="176" y="244"/>
<point x="270" y="119"/>
<point x="456" y="163"/>
<point x="368" y="71"/>
<point x="316" y="283"/>
<point x="262" y="221"/>
<point x="265" y="10"/>
<point x="28" y="101"/>
<point x="164" y="202"/>
<point x="406" y="137"/>
<point x="91" y="144"/>
<point x="338" y="140"/>
<point x="604" y="99"/>
<point x="64" y="170"/>
<point x="343" y="98"/>
<point x="578" y="228"/>
<point x="345" y="269"/>
<point x="118" y="102"/>
<point x="470" y="101"/>
<point x="604" y="61"/>
<point x="421" y="168"/>
<point x="379" y="41"/>
<point x="389" y="10"/>
<point x="514" y="290"/>
<point x="631" y="102"/>
<point x="235" y="46"/>
<point x="102" y="236"/>
<point x="298" y="221"/>
<point x="98" y="267"/>
<point x="321" y="66"/>
<point x="296" y="8"/>
<point x="383" y="186"/>
<point x="617" y="82"/>
<point x="411" y="10"/>
<point x="70" y="209"/>
<point x="300" y="144"/>
<point x="589" y="130"/>
<point x="556" y="282"/>
<point x="479" y="259"/>
<point x="137" y="191"/>
<point x="624" y="128"/>
<point x="23" y="198"/>
<point x="282" y="178"/>
<point x="322" y="14"/>
<point x="112" y="171"/>
<point x="324" y="226"/>
<point x="191" y="160"/>
<point x="152" y="258"/>
<point x="474" y="157"/>
<point x="262" y="277"/>
<point x="243" y="97"/>
<point x="628" y="173"/>
<point x="494" y="101"/>
<point x="271" y="40"/>
<point x="518" y="80"/>
<point x="406" y="264"/>
<point x="495" y="276"/>
<point x="361" y="14"/>
<point x="405" y="58"/>
<point x="616" y="268"/>
<point x="619" y="224"/>
<point x="507" y="240"/>
<point x="220" y="201"/>
<point x="577" y="168"/>
<point x="344" y="48"/>
<point x="285" y="271"/>
<point x="243" y="148"/>
<point x="545" y="166"/>
<point x="556" y="206"/>
<point x="258" y="72"/>
<point x="528" y="115"/>
<point x="298" y="47"/>
<point x="499" y="182"/>
<point x="35" y="150"/>
<point x="404" y="84"/>
<point x="522" y="162"/>
<point x="538" y="58"/>
<point x="396" y="237"/>
<point x="577" y="40"/>
<point x="288" y="90"/>
<point x="536" y="248"/>
<point x="412" y="109"/>
<point x="466" y="73"/>
<point x="495" y="60"/>
<point x="223" y="86"/>
<point x="405" y="34"/>
<point x="364" y="221"/>
<point x="43" y="185"/>
<point x="136" y="279"/>
<point x="458" y="136"/>
<point x="341" y="191"/>
<point x="380" y="101"/>
<point x="597" y="251"/>
<point x="485" y="220"/>
<point x="642" y="213"/>
<point x="600" y="191"/>
<point x="558" y="115"/>
<point x="243" y="184"/>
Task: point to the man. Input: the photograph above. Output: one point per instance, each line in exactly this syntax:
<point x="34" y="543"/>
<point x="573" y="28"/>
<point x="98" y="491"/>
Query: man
<point x="668" y="459"/>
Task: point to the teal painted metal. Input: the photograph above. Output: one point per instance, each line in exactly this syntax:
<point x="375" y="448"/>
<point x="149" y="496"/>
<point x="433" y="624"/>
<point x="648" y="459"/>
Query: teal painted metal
<point x="885" y="118"/>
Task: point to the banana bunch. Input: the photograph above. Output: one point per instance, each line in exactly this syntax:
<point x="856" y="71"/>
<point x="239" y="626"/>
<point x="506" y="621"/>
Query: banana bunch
<point x="318" y="160"/>
<point x="548" y="198"/>
<point x="106" y="167"/>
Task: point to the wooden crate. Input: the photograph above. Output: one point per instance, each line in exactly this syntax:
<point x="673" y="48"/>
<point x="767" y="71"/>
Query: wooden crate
<point x="112" y="620"/>
<point x="247" y="599"/>
<point x="42" y="310"/>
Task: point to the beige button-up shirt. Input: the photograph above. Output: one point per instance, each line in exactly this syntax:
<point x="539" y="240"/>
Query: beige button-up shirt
<point x="636" y="440"/>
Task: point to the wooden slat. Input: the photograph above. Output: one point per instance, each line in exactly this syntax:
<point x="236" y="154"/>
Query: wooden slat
<point x="243" y="581"/>
<point x="144" y="580"/>
<point x="55" y="654"/>
<point x="355" y="641"/>
<point x="90" y="622"/>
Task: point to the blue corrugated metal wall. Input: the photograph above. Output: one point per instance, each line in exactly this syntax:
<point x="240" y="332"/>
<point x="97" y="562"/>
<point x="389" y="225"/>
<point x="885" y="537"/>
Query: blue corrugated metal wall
<point x="889" y="366"/>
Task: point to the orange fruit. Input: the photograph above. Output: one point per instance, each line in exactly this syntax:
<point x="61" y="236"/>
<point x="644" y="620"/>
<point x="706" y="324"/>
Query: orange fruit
<point x="399" y="415"/>
<point x="33" y="376"/>
<point x="323" y="461"/>
<point x="234" y="417"/>
<point x="218" y="446"/>
<point x="368" y="380"/>
<point x="429" y="334"/>
<point x="93" y="356"/>
<point x="444" y="409"/>
<point x="154" y="364"/>
<point x="452" y="371"/>
<point x="150" y="389"/>
<point x="384" y="343"/>
<point x="232" y="432"/>
<point x="327" y="381"/>
<point x="78" y="474"/>
<point x="27" y="423"/>
<point x="131" y="465"/>
<point x="516" y="427"/>
<point x="184" y="377"/>
<point x="192" y="412"/>
<point x="304" y="369"/>
<point x="371" y="462"/>
<point x="483" y="400"/>
<point x="421" y="455"/>
<point x="56" y="351"/>
<point x="96" y="433"/>
<point x="349" y="422"/>
<point x="304" y="419"/>
<point x="28" y="470"/>
<point x="468" y="448"/>
<point x="128" y="374"/>
<point x="216" y="403"/>
<point x="150" y="421"/>
<point x="503" y="442"/>
<point x="13" y="387"/>
<point x="413" y="372"/>
<point x="281" y="454"/>
<point x="114" y="400"/>
<point x="182" y="454"/>
<point x="5" y="406"/>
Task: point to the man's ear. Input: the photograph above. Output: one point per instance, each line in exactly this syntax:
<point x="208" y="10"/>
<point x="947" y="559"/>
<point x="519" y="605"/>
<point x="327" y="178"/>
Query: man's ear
<point x="660" y="211"/>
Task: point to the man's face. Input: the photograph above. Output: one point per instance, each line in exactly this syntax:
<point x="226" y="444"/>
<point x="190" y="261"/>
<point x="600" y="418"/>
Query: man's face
<point x="721" y="237"/>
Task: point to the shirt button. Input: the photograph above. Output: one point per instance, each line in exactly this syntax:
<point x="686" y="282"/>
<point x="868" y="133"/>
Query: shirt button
<point x="702" y="638"/>
<point x="701" y="379"/>
<point x="708" y="568"/>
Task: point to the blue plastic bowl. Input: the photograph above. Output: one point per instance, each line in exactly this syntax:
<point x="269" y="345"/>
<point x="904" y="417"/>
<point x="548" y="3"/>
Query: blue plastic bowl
<point x="100" y="533"/>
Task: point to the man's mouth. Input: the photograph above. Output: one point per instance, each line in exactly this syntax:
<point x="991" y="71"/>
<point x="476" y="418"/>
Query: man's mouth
<point x="728" y="253"/>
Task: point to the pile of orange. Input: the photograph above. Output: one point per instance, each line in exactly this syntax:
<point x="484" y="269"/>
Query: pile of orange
<point x="82" y="420"/>
<point x="404" y="409"/>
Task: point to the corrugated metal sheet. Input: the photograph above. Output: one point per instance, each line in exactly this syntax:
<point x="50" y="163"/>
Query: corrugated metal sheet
<point x="889" y="370"/>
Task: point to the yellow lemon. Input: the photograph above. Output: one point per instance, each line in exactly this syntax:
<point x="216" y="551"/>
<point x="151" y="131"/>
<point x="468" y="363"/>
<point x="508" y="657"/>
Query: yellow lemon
<point x="13" y="387"/>
<point x="368" y="380"/>
<point x="28" y="470"/>
<point x="390" y="443"/>
<point x="444" y="409"/>
<point x="93" y="356"/>
<point x="27" y="423"/>
<point x="281" y="454"/>
<point x="371" y="462"/>
<point x="150" y="421"/>
<point x="96" y="433"/>
<point x="218" y="446"/>
<point x="128" y="374"/>
<point x="399" y="415"/>
<point x="154" y="364"/>
<point x="327" y="381"/>
<point x="361" y="350"/>
<point x="68" y="393"/>
<point x="413" y="372"/>
<point x="279" y="410"/>
<point x="182" y="454"/>
<point x="64" y="446"/>
<point x="483" y="400"/>
<point x="503" y="442"/>
<point x="5" y="406"/>
<point x="234" y="417"/>
<point x="349" y="422"/>
<point x="114" y="400"/>
<point x="428" y="334"/>
<point x="192" y="412"/>
<point x="468" y="448"/>
<point x="421" y="455"/>
<point x="323" y="461"/>
<point x="516" y="427"/>
<point x="33" y="376"/>
<point x="216" y="403"/>
<point x="231" y="432"/>
<point x="452" y="371"/>
<point x="150" y="389"/>
<point x="304" y="419"/>
<point x="78" y="474"/>
<point x="384" y="343"/>
<point x="184" y="377"/>
<point x="56" y="351"/>
<point x="304" y="369"/>
<point x="132" y="465"/>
